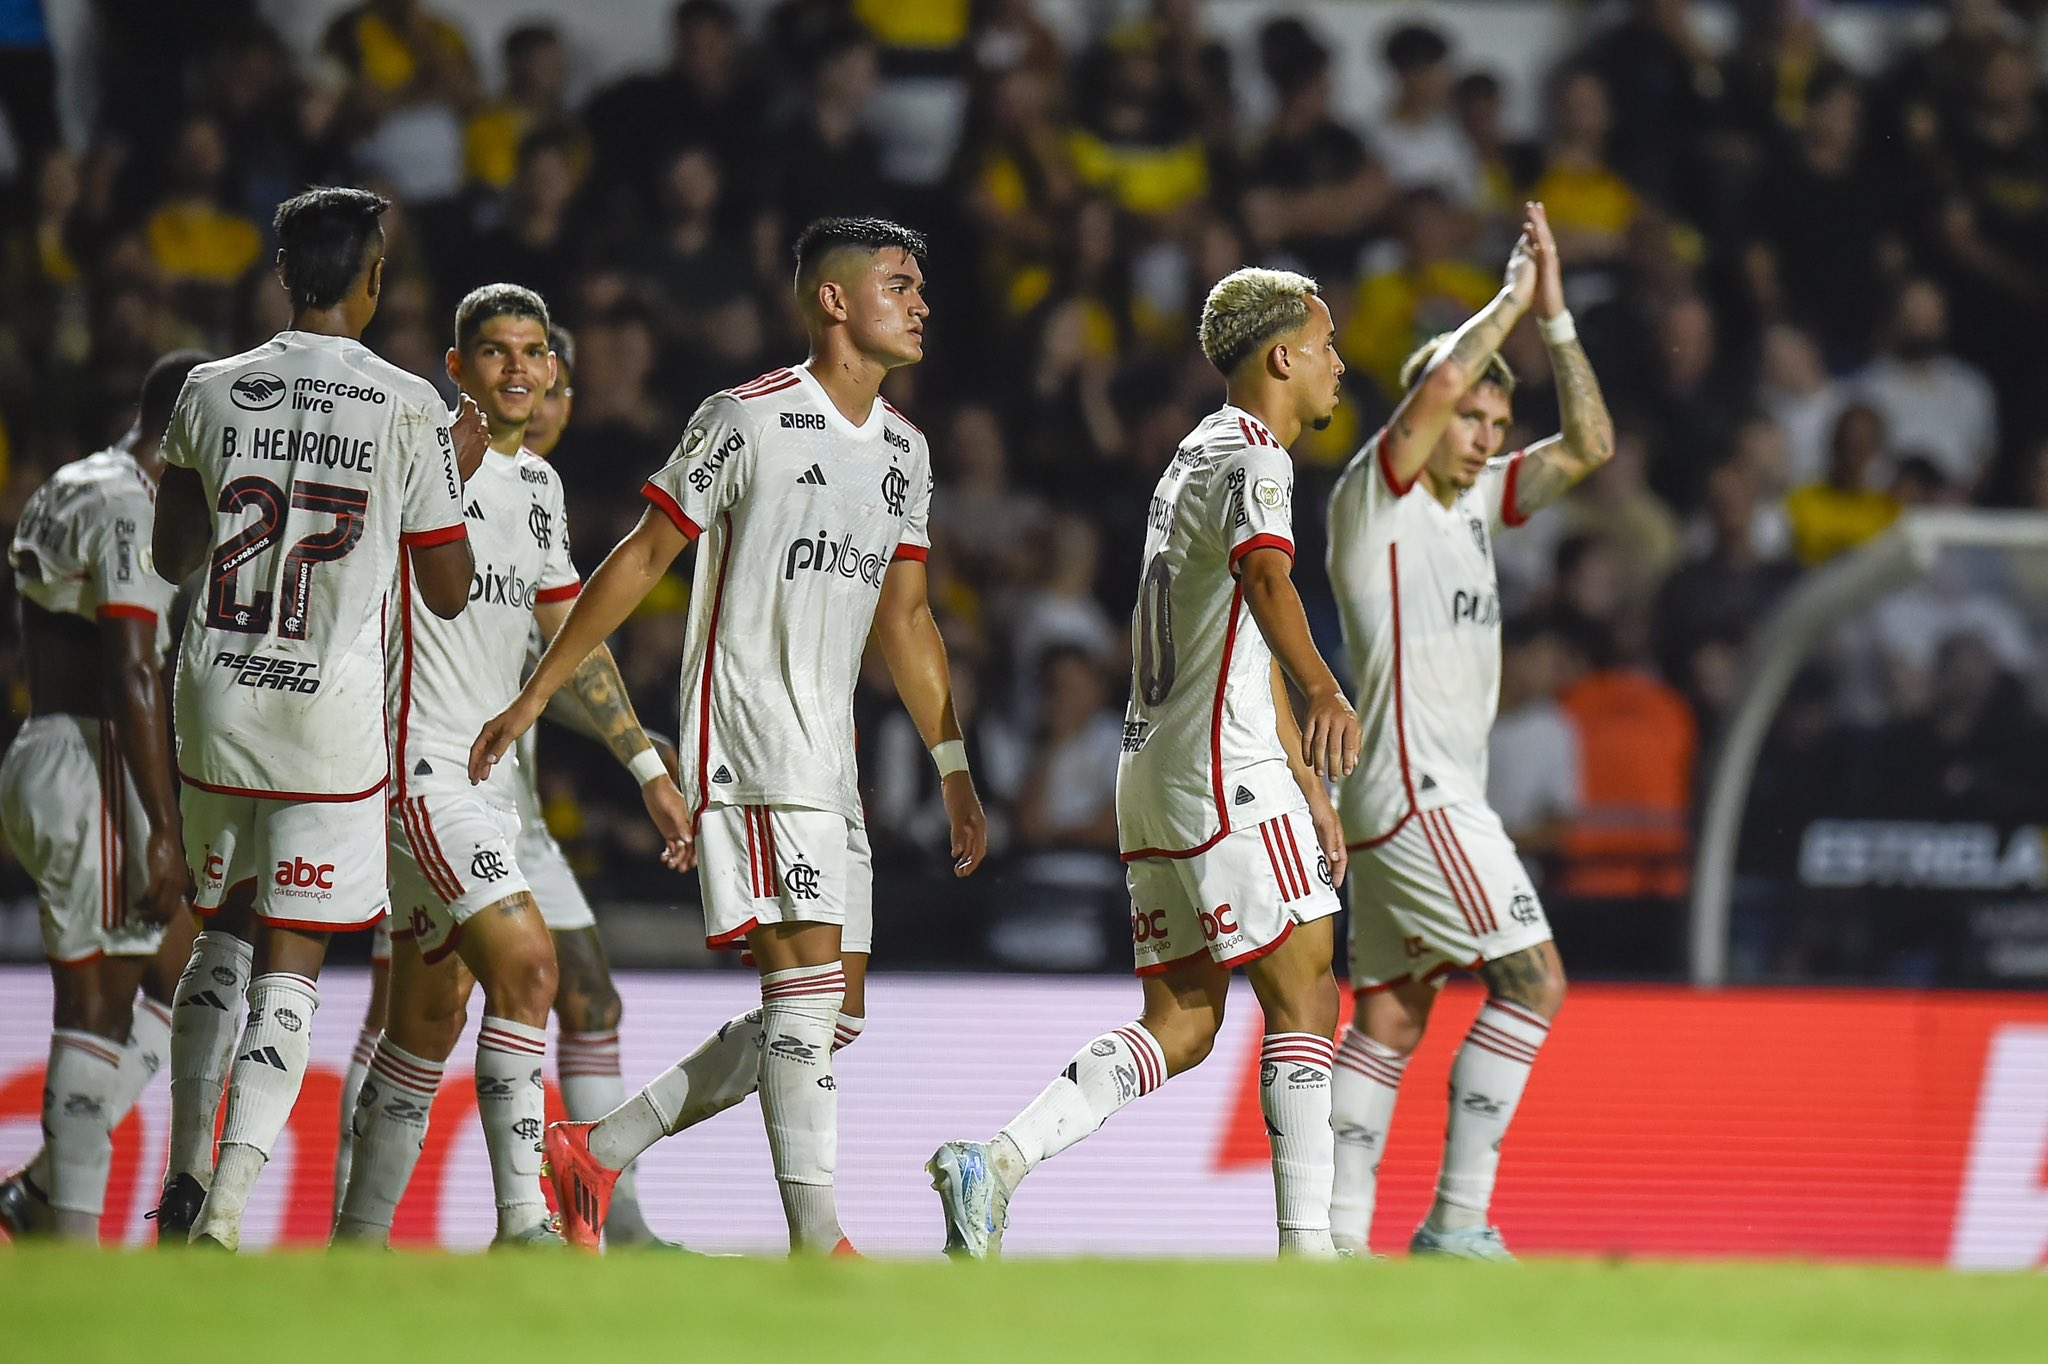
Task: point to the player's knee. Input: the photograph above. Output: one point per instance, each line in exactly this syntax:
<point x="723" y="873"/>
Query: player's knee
<point x="595" y="1008"/>
<point x="524" y="990"/>
<point x="1540" y="991"/>
<point x="1185" y="1043"/>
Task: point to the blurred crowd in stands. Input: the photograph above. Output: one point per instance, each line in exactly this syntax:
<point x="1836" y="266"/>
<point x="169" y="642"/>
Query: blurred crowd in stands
<point x="1816" y="299"/>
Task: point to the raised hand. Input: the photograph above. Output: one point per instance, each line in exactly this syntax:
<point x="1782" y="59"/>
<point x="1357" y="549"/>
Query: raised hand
<point x="1549" y="301"/>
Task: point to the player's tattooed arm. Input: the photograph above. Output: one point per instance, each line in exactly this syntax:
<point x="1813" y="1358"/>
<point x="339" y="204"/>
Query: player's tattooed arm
<point x="1552" y="467"/>
<point x="601" y="692"/>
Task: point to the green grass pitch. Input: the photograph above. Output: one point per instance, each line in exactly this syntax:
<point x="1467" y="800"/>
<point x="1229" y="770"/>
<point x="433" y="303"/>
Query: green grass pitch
<point x="76" y="1307"/>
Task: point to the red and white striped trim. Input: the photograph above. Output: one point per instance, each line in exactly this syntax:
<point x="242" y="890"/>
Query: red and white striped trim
<point x="672" y="509"/>
<point x="587" y="1053"/>
<point x="366" y="1047"/>
<point x="1520" y="1014"/>
<point x="292" y="980"/>
<point x="843" y="1037"/>
<point x="1285" y="854"/>
<point x="426" y="850"/>
<point x="1501" y="1042"/>
<point x="1356" y="1056"/>
<point x="96" y="1049"/>
<point x="495" y="1037"/>
<point x="890" y="408"/>
<point x="1450" y="832"/>
<point x="1264" y="541"/>
<point x="1298" y="1048"/>
<point x="1510" y="514"/>
<point x="425" y="1079"/>
<point x="761" y="870"/>
<point x="1145" y="1050"/>
<point x="804" y="987"/>
<point x="1255" y="433"/>
<point x="774" y="381"/>
<point x="566" y="592"/>
<point x="1453" y="873"/>
<point x="161" y="1012"/>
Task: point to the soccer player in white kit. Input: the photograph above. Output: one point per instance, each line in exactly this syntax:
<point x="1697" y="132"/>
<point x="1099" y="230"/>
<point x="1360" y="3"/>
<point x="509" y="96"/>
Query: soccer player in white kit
<point x="1435" y="882"/>
<point x="1231" y="847"/>
<point x="90" y="809"/>
<point x="810" y="499"/>
<point x="587" y="1005"/>
<point x="459" y="892"/>
<point x="299" y="468"/>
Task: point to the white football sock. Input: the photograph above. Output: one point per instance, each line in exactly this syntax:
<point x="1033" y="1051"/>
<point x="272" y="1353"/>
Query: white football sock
<point x="1487" y="1081"/>
<point x="799" y="1100"/>
<point x="351" y="1086"/>
<point x="1363" y="1089"/>
<point x="389" y="1130"/>
<point x="270" y="1067"/>
<point x="511" y="1099"/>
<point x="1294" y="1095"/>
<point x="206" y="1020"/>
<point x="592" y="1086"/>
<point x="1108" y="1073"/>
<point x="147" y="1051"/>
<point x="711" y="1079"/>
<point x="78" y="1097"/>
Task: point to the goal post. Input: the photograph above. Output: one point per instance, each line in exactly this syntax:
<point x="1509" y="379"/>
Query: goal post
<point x="1799" y="627"/>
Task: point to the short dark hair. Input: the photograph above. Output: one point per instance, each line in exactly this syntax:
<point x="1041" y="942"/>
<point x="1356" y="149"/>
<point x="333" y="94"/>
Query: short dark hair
<point x="1290" y="55"/>
<point x="702" y="11"/>
<point x="326" y="235"/>
<point x="163" y="383"/>
<point x="482" y="304"/>
<point x="827" y="235"/>
<point x="562" y="342"/>
<point x="529" y="38"/>
<point x="1413" y="46"/>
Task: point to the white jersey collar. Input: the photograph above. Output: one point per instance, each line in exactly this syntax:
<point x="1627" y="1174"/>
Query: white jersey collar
<point x="867" y="430"/>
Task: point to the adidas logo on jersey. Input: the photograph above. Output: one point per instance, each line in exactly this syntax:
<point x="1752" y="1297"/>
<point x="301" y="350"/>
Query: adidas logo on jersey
<point x="813" y="476"/>
<point x="1243" y="796"/>
<point x="723" y="774"/>
<point x="473" y="512"/>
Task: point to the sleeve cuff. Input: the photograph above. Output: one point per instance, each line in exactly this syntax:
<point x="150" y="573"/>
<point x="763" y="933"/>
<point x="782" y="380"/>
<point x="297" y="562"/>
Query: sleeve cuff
<point x="123" y="611"/>
<point x="566" y="592"/>
<point x="673" y="510"/>
<point x="1279" y="542"/>
<point x="1510" y="513"/>
<point x="906" y="550"/>
<point x="427" y="539"/>
<point x="1386" y="461"/>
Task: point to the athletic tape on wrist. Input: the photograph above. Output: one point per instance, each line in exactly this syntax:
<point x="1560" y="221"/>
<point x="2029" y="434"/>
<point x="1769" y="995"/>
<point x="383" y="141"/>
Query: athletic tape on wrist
<point x="647" y="765"/>
<point x="1558" y="330"/>
<point x="951" y="756"/>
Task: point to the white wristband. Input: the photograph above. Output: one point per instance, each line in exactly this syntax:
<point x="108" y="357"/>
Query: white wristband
<point x="647" y="765"/>
<point x="1558" y="330"/>
<point x="951" y="756"/>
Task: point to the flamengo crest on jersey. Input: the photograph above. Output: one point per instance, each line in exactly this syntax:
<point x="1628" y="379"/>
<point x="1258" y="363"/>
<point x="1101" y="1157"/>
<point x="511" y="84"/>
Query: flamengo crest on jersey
<point x="82" y="547"/>
<point x="449" y="677"/>
<point x="800" y="513"/>
<point x="317" y="457"/>
<point x="1201" y="753"/>
<point x="1420" y="605"/>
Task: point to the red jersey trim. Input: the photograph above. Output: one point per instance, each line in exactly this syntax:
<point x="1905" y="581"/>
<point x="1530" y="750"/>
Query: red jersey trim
<point x="704" y="687"/>
<point x="726" y="940"/>
<point x="918" y="552"/>
<point x="302" y="797"/>
<point x="427" y="539"/>
<point x="672" y="509"/>
<point x="122" y="611"/>
<point x="1242" y="958"/>
<point x="1215" y="750"/>
<point x="1386" y="463"/>
<point x="890" y="408"/>
<point x="404" y="664"/>
<point x="567" y="592"/>
<point x="309" y="926"/>
<point x="1160" y="968"/>
<point x="1510" y="514"/>
<point x="1279" y="542"/>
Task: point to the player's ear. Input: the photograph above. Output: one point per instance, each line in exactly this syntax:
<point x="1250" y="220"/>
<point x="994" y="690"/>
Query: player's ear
<point x="832" y="299"/>
<point x="454" y="363"/>
<point x="1280" y="361"/>
<point x="278" y="266"/>
<point x="375" y="284"/>
<point x="554" y="373"/>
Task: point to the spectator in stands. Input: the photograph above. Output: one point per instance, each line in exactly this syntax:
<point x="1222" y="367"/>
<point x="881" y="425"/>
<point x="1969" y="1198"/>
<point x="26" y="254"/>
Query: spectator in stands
<point x="1060" y="609"/>
<point x="1139" y="141"/>
<point x="1413" y="287"/>
<point x="1932" y="400"/>
<point x="822" y="159"/>
<point x="1418" y="139"/>
<point x="1018" y="174"/>
<point x="1995" y="228"/>
<point x="1010" y="35"/>
<point x="699" y="278"/>
<point x="1973" y="751"/>
<point x="411" y="82"/>
<point x="1617" y="506"/>
<point x="1797" y="392"/>
<point x="1665" y="91"/>
<point x="1849" y="508"/>
<point x="1506" y="167"/>
<point x="1779" y="52"/>
<point x="532" y="236"/>
<point x="622" y="432"/>
<point x="1314" y="192"/>
<point x="1822" y="220"/>
<point x="194" y="235"/>
<point x="1730" y="588"/>
<point x="989" y="523"/>
<point x="1068" y="801"/>
<point x="1591" y="207"/>
<point x="534" y="97"/>
<point x="1532" y="755"/>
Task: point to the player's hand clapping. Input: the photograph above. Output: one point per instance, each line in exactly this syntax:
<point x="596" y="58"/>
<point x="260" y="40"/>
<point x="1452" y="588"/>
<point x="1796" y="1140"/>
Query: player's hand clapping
<point x="1542" y="248"/>
<point x="1521" y="275"/>
<point x="472" y="436"/>
<point x="1331" y="735"/>
<point x="970" y="825"/>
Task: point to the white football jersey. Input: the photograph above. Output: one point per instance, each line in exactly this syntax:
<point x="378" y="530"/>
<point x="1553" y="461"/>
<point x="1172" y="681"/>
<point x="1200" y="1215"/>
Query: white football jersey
<point x="449" y="677"/>
<point x="800" y="514"/>
<point x="83" y="545"/>
<point x="1201" y="743"/>
<point x="318" y="458"/>
<point x="1420" y="605"/>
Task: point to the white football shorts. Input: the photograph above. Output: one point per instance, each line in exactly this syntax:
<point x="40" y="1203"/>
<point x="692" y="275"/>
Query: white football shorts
<point x="767" y="864"/>
<point x="318" y="865"/>
<point x="1236" y="901"/>
<point x="75" y="823"/>
<point x="1443" y="892"/>
<point x="562" y="904"/>
<point x="451" y="855"/>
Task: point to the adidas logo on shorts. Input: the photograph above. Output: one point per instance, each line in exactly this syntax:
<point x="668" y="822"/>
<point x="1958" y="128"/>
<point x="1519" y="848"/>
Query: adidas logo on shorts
<point x="723" y="774"/>
<point x="1243" y="796"/>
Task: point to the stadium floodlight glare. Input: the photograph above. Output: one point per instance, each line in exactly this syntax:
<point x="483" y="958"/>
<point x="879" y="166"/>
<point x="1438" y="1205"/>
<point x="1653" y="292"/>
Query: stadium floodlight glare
<point x="1801" y="623"/>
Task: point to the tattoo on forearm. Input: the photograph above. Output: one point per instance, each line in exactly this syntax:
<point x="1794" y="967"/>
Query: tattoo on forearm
<point x="1588" y="437"/>
<point x="1520" y="978"/>
<point x="602" y="691"/>
<point x="1481" y="337"/>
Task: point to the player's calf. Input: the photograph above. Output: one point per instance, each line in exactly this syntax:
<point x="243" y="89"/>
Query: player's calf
<point x="1386" y="1027"/>
<point x="508" y="947"/>
<point x="1299" y="996"/>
